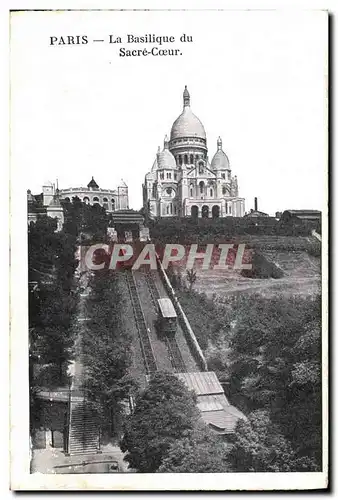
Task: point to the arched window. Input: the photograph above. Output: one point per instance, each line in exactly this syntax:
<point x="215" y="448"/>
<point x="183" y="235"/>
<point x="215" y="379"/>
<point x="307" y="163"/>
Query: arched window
<point x="113" y="204"/>
<point x="201" y="185"/>
<point x="191" y="192"/>
<point x="211" y="193"/>
<point x="161" y="175"/>
<point x="86" y="200"/>
<point x="224" y="190"/>
<point x="223" y="175"/>
<point x="167" y="209"/>
<point x="186" y="159"/>
<point x="201" y="168"/>
<point x="95" y="199"/>
<point x="191" y="158"/>
<point x="180" y="159"/>
<point x="67" y="199"/>
<point x="154" y="191"/>
<point x="175" y="176"/>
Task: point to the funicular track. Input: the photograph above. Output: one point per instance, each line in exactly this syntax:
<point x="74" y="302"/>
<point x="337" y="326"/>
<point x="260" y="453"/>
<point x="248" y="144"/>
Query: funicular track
<point x="147" y="351"/>
<point x="175" y="355"/>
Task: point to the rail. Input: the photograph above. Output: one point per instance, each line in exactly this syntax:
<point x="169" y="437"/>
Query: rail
<point x="176" y="358"/>
<point x="175" y="355"/>
<point x="147" y="351"/>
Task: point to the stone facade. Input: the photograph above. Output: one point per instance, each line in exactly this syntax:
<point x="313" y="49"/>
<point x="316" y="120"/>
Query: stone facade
<point x="182" y="181"/>
<point x="110" y="199"/>
<point x="49" y="201"/>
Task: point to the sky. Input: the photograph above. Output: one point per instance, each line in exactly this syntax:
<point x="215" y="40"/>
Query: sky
<point x="256" y="78"/>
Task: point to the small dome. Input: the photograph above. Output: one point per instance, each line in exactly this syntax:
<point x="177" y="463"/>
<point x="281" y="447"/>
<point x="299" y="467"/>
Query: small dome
<point x="165" y="159"/>
<point x="220" y="160"/>
<point x="187" y="124"/>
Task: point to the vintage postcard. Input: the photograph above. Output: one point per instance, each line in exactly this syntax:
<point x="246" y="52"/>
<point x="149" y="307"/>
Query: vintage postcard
<point x="169" y="249"/>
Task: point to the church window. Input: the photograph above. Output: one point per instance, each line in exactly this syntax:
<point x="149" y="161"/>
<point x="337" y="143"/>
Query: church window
<point x="224" y="190"/>
<point x="201" y="184"/>
<point x="226" y="208"/>
<point x="168" y="175"/>
<point x="186" y="159"/>
<point x="175" y="209"/>
<point x="201" y="168"/>
<point x="211" y="193"/>
<point x="161" y="175"/>
<point x="175" y="176"/>
<point x="154" y="190"/>
<point x="223" y="175"/>
<point x="86" y="200"/>
<point x="95" y="199"/>
<point x="229" y="209"/>
<point x="113" y="204"/>
<point x="180" y="159"/>
<point x="191" y="158"/>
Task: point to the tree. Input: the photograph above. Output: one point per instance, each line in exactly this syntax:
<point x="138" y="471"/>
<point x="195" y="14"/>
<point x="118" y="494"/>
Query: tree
<point x="202" y="451"/>
<point x="164" y="413"/>
<point x="259" y="446"/>
<point x="191" y="278"/>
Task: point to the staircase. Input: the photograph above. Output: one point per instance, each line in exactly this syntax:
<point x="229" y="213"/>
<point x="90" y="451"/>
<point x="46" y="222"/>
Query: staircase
<point x="84" y="431"/>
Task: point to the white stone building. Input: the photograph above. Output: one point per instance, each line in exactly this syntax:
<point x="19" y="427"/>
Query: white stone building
<point x="182" y="181"/>
<point x="110" y="199"/>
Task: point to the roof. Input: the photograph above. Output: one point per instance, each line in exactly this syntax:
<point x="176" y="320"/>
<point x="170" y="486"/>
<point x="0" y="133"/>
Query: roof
<point x="127" y="216"/>
<point x="93" y="184"/>
<point x="303" y="214"/>
<point x="223" y="421"/>
<point x="187" y="124"/>
<point x="203" y="383"/>
<point x="213" y="404"/>
<point x="220" y="160"/>
<point x="167" y="308"/>
<point x="256" y="213"/>
<point x="165" y="159"/>
<point x="122" y="183"/>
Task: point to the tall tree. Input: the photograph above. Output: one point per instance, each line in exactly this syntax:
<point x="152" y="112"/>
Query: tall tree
<point x="259" y="446"/>
<point x="202" y="451"/>
<point x="164" y="412"/>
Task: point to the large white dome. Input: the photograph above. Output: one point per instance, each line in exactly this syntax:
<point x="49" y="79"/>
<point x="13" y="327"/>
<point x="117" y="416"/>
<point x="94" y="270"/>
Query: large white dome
<point x="187" y="124"/>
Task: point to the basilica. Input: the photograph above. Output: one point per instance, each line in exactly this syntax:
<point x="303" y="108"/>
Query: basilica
<point x="182" y="181"/>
